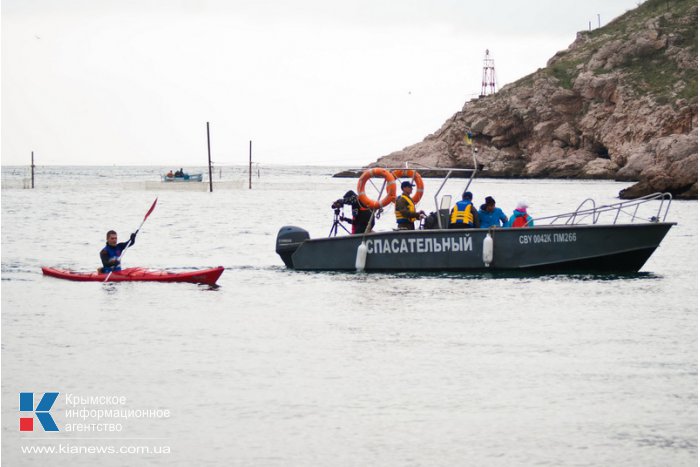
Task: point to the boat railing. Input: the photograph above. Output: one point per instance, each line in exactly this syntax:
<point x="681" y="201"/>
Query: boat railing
<point x="448" y="172"/>
<point x="471" y="171"/>
<point x="641" y="209"/>
<point x="410" y="165"/>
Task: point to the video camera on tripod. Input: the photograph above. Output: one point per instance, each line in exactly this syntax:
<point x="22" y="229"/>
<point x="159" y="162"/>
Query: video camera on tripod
<point x="350" y="199"/>
<point x="338" y="217"/>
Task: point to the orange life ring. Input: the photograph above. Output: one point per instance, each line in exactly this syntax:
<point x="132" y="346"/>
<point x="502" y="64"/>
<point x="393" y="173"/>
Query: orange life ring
<point x="414" y="175"/>
<point x="390" y="188"/>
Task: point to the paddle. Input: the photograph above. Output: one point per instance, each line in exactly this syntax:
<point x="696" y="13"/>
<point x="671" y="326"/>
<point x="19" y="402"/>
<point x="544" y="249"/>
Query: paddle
<point x="153" y="206"/>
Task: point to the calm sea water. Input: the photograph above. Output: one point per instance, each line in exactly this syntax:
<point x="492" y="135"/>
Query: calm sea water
<point x="277" y="367"/>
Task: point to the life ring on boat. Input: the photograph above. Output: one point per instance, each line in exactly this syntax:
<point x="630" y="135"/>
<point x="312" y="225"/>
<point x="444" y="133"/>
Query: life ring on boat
<point x="414" y="175"/>
<point x="390" y="188"/>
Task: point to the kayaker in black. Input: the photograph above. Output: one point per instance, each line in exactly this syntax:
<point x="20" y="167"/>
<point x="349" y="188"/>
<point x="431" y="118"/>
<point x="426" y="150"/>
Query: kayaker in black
<point x="111" y="253"/>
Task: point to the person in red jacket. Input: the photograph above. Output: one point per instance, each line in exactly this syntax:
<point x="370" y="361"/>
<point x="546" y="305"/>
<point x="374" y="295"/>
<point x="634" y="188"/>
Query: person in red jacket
<point x="520" y="217"/>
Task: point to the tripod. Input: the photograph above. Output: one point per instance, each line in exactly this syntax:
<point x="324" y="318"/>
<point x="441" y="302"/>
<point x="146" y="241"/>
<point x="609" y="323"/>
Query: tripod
<point x="336" y="222"/>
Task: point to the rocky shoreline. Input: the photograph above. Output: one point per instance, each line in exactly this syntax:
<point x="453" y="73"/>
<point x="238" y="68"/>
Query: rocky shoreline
<point x="620" y="103"/>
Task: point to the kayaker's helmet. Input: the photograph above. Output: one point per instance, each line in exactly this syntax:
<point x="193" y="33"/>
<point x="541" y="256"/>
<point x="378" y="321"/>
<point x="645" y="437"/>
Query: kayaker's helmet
<point x="522" y="205"/>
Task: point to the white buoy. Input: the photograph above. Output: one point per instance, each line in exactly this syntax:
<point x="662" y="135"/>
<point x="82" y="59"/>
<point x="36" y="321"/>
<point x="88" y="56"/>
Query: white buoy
<point x="361" y="257"/>
<point x="488" y="250"/>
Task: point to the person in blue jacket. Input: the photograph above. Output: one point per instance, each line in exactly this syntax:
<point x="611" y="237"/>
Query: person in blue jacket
<point x="490" y="215"/>
<point x="112" y="251"/>
<point x="520" y="217"/>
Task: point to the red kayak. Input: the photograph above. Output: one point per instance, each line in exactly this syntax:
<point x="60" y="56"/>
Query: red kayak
<point x="204" y="276"/>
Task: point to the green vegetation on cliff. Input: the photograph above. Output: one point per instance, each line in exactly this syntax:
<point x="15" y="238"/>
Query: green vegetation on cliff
<point x="653" y="47"/>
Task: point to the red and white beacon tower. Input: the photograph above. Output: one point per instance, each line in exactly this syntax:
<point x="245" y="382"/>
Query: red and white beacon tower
<point x="488" y="79"/>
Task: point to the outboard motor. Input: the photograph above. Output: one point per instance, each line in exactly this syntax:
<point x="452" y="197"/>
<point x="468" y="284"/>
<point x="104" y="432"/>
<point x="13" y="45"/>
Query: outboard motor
<point x="288" y="240"/>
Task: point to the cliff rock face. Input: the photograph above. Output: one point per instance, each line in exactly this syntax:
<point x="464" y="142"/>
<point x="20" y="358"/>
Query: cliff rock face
<point x="620" y="103"/>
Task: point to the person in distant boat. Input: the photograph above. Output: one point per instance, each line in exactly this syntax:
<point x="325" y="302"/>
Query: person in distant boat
<point x="170" y="174"/>
<point x="405" y="208"/>
<point x="112" y="252"/>
<point x="361" y="215"/>
<point x="464" y="214"/>
<point x="490" y="215"/>
<point x="520" y="217"/>
<point x="179" y="173"/>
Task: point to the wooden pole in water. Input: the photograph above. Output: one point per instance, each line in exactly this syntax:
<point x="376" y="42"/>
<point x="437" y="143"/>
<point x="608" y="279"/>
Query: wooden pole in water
<point x="32" y="170"/>
<point x="250" y="165"/>
<point x="211" y="182"/>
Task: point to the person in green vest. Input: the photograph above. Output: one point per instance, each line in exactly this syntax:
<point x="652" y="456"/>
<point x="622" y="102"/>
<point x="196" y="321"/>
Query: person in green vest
<point x="405" y="209"/>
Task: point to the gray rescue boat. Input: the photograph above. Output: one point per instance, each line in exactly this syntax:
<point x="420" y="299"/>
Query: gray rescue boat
<point x="578" y="241"/>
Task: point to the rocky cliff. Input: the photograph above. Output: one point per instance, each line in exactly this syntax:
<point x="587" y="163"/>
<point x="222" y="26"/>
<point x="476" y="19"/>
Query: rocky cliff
<point x="620" y="103"/>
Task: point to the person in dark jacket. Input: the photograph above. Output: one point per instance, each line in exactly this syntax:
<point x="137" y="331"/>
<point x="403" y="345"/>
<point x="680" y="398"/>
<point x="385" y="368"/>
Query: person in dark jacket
<point x="490" y="215"/>
<point x="361" y="215"/>
<point x="112" y="252"/>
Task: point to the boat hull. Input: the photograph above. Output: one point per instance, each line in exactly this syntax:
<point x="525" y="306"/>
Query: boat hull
<point x="556" y="248"/>
<point x="204" y="276"/>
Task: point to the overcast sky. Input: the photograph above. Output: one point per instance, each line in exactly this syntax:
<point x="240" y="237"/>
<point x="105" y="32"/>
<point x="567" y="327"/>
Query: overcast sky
<point x="133" y="82"/>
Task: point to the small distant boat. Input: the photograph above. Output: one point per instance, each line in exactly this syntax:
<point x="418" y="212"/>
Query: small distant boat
<point x="203" y="276"/>
<point x="182" y="178"/>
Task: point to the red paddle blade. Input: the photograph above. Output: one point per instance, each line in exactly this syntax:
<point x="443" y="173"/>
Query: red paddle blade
<point x="150" y="210"/>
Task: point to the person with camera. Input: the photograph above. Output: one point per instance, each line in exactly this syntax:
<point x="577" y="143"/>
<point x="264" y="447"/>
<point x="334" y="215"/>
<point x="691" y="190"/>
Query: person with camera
<point x="405" y="209"/>
<point x="361" y="215"/>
